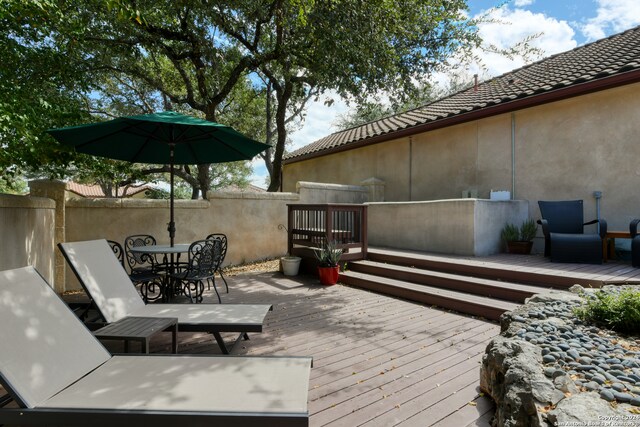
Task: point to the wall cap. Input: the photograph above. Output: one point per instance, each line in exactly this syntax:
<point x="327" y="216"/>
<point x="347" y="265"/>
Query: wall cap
<point x="26" y="202"/>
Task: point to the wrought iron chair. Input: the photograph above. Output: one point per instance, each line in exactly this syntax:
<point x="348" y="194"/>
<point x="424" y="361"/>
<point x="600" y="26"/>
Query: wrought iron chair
<point x="564" y="238"/>
<point x="117" y="250"/>
<point x="144" y="269"/>
<point x="221" y="253"/>
<point x="200" y="267"/>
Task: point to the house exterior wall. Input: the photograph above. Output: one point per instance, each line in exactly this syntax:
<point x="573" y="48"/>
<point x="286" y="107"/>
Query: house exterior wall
<point x="563" y="150"/>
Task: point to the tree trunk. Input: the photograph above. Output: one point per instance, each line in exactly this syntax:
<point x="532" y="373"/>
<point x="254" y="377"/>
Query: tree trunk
<point x="283" y="96"/>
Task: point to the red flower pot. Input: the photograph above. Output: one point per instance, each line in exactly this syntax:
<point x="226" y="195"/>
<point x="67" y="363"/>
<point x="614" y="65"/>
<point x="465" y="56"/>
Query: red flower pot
<point x="329" y="275"/>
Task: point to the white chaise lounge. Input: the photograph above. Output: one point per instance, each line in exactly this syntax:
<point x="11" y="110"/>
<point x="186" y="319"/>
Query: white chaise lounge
<point x="108" y="285"/>
<point x="58" y="373"/>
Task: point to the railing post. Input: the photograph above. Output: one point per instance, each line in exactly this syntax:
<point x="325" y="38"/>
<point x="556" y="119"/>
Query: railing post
<point x="290" y="230"/>
<point x="363" y="221"/>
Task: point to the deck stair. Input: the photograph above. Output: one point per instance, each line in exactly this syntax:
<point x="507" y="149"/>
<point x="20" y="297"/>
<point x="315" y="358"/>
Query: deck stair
<point x="416" y="277"/>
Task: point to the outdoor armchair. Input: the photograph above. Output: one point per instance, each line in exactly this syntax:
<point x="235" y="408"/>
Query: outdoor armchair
<point x="564" y="238"/>
<point x="57" y="373"/>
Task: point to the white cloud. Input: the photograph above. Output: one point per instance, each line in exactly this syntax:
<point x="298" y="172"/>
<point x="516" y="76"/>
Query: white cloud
<point x="522" y="3"/>
<point x="613" y="16"/>
<point x="319" y="120"/>
<point x="513" y="25"/>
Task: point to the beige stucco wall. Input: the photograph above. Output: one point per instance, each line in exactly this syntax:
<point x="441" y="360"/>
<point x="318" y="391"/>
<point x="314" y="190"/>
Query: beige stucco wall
<point x="563" y="150"/>
<point x="456" y="226"/>
<point x="250" y="221"/>
<point x="27" y="227"/>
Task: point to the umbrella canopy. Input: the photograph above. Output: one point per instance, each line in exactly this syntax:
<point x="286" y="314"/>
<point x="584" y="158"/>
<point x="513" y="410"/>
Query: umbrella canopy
<point x="161" y="138"/>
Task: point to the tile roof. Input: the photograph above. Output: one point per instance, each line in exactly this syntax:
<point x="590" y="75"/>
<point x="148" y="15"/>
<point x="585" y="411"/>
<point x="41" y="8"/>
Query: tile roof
<point x="95" y="191"/>
<point x="590" y="63"/>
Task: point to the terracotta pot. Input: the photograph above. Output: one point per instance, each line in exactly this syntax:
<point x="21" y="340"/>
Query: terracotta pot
<point x="329" y="275"/>
<point x="519" y="247"/>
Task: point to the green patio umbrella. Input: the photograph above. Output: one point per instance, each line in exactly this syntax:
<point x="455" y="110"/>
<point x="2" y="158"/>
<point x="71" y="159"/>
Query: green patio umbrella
<point x="161" y="138"/>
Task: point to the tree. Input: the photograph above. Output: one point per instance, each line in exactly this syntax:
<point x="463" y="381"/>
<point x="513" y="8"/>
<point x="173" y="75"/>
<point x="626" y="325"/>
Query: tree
<point x="357" y="48"/>
<point x="38" y="90"/>
<point x="207" y="57"/>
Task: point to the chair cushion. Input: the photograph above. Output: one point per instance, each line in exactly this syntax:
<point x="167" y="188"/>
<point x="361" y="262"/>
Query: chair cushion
<point x="579" y="248"/>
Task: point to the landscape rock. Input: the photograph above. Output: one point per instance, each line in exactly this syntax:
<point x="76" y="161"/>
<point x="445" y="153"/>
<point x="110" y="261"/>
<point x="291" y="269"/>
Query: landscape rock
<point x="548" y="367"/>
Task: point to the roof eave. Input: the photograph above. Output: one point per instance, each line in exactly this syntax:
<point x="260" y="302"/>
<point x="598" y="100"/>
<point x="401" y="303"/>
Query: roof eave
<point x="579" y="89"/>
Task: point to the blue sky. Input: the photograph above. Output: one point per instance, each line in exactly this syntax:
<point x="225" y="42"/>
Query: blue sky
<point x="561" y="25"/>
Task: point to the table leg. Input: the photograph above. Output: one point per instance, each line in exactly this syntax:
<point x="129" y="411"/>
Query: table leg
<point x="174" y="337"/>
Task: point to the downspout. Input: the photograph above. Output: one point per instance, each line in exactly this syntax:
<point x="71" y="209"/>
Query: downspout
<point x="513" y="156"/>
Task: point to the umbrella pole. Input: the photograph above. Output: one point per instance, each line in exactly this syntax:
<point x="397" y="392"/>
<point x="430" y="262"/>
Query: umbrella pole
<point x="172" y="224"/>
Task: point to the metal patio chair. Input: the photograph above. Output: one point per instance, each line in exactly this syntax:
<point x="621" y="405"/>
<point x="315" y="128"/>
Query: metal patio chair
<point x="220" y="252"/>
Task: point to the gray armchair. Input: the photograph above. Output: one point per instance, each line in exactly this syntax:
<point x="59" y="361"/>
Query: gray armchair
<point x="564" y="237"/>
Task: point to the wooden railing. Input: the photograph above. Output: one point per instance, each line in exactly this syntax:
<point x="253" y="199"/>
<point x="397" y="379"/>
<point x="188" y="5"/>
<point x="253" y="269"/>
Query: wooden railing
<point x="311" y="226"/>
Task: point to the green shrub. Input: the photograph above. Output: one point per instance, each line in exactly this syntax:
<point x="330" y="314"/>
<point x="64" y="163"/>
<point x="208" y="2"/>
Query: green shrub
<point x="525" y="233"/>
<point x="528" y="230"/>
<point x="619" y="311"/>
<point x="510" y="233"/>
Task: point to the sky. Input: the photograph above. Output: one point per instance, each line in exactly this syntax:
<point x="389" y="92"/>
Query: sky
<point x="560" y="25"/>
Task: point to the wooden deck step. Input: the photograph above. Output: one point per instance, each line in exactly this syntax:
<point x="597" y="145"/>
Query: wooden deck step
<point x="489" y="308"/>
<point x="529" y="269"/>
<point x="483" y="287"/>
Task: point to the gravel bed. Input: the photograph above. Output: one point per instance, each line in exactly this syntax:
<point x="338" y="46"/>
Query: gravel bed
<point x="595" y="359"/>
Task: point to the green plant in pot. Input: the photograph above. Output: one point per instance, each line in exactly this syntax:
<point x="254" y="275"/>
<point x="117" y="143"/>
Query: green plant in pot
<point x="519" y="240"/>
<point x="328" y="257"/>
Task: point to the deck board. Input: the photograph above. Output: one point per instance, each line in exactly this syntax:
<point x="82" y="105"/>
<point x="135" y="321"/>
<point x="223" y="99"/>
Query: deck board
<point x="378" y="360"/>
<point x="369" y="350"/>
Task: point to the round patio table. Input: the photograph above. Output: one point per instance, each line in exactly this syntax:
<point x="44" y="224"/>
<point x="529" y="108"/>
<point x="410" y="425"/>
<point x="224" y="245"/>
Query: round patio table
<point x="169" y="252"/>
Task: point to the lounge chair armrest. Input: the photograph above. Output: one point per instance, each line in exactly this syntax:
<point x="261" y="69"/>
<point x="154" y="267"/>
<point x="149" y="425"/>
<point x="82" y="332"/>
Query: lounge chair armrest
<point x="633" y="227"/>
<point x="603" y="227"/>
<point x="545" y="227"/>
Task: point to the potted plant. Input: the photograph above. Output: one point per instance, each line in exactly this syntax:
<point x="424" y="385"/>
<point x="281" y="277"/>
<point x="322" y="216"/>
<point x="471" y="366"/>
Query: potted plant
<point x="290" y="265"/>
<point x="519" y="240"/>
<point x="328" y="258"/>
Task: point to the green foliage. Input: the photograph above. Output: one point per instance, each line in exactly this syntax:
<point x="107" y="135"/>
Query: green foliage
<point x="528" y="230"/>
<point x="525" y="233"/>
<point x="75" y="62"/>
<point x="510" y="233"/>
<point x="618" y="310"/>
<point x="328" y="255"/>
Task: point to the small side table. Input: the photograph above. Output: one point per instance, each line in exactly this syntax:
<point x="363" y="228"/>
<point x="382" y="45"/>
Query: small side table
<point x="139" y="329"/>
<point x="608" y="250"/>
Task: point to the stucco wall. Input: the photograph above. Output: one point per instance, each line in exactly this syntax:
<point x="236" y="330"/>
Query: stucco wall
<point x="458" y="226"/>
<point x="27" y="229"/>
<point x="250" y="221"/>
<point x="563" y="150"/>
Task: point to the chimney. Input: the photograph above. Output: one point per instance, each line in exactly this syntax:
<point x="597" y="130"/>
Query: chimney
<point x="475" y="82"/>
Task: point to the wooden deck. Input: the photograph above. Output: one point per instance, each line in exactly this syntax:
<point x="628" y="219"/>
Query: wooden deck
<point x="532" y="269"/>
<point x="378" y="361"/>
